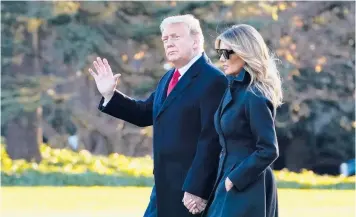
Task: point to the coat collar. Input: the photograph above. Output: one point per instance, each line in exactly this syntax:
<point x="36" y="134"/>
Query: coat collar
<point x="242" y="77"/>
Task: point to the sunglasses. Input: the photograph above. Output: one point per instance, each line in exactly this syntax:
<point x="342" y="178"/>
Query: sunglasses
<point x="225" y="52"/>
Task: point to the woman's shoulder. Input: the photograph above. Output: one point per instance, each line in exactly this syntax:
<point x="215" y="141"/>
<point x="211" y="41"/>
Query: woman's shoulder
<point x="256" y="97"/>
<point x="254" y="92"/>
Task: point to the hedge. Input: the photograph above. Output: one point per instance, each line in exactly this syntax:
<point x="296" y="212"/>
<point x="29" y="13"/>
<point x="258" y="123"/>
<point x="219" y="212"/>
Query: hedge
<point x="62" y="167"/>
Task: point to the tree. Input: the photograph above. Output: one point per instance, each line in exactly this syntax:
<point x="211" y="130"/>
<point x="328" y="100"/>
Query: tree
<point x="57" y="42"/>
<point x="19" y="94"/>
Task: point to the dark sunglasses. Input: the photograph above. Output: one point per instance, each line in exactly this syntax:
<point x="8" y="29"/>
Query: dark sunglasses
<point x="225" y="52"/>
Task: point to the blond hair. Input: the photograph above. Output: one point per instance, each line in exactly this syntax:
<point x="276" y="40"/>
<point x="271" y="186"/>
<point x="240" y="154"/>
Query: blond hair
<point x="249" y="45"/>
<point x="191" y="22"/>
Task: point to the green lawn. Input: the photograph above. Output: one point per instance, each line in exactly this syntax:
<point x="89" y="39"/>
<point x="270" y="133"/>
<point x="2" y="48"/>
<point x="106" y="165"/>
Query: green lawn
<point x="131" y="202"/>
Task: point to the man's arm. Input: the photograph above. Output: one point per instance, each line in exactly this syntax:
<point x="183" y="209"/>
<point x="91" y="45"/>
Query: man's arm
<point x="137" y="112"/>
<point x="202" y="174"/>
<point x="120" y="106"/>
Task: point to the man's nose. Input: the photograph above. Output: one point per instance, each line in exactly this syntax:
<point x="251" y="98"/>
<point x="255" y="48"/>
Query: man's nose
<point x="222" y="58"/>
<point x="169" y="44"/>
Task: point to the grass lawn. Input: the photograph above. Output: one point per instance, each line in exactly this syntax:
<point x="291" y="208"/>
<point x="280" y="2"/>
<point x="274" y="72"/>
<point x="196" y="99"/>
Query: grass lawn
<point x="131" y="202"/>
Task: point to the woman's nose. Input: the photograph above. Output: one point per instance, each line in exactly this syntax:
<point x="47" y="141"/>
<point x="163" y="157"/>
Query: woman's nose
<point x="222" y="58"/>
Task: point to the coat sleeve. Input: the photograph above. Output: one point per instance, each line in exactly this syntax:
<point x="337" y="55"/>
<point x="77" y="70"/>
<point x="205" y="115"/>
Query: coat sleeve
<point x="137" y="112"/>
<point x="260" y="113"/>
<point x="203" y="171"/>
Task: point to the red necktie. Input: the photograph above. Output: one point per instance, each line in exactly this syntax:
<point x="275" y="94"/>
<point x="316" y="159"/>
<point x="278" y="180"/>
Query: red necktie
<point x="173" y="81"/>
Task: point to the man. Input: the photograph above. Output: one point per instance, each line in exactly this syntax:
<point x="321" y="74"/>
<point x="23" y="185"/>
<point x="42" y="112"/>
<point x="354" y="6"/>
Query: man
<point x="181" y="109"/>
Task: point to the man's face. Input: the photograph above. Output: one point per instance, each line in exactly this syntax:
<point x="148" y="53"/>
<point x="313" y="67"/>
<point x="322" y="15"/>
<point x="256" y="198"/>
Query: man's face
<point x="179" y="44"/>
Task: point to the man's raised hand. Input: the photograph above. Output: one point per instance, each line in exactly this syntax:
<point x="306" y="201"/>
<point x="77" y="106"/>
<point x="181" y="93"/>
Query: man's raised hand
<point x="104" y="78"/>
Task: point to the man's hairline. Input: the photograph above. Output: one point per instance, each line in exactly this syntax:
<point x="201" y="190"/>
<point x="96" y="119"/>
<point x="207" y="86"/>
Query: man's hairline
<point x="181" y="22"/>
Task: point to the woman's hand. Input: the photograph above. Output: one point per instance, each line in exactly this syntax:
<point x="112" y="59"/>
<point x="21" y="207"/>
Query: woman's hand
<point x="228" y="184"/>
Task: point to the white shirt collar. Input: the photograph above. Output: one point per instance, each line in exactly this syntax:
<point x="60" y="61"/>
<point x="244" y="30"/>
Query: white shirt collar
<point x="185" y="68"/>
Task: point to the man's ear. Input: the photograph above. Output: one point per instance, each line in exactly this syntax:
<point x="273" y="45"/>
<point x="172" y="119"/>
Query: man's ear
<point x="196" y="43"/>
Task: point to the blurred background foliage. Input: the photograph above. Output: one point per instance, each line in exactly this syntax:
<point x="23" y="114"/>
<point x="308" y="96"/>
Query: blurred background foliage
<point x="48" y="95"/>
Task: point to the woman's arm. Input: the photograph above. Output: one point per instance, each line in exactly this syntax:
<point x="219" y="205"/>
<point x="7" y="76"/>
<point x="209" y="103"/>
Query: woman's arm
<point x="261" y="117"/>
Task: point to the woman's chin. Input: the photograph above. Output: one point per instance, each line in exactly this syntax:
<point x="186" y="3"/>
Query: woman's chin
<point x="227" y="72"/>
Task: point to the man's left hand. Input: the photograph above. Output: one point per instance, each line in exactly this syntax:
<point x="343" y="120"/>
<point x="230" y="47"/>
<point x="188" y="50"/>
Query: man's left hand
<point x="194" y="203"/>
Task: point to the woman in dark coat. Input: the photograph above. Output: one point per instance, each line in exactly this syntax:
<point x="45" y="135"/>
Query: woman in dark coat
<point x="246" y="186"/>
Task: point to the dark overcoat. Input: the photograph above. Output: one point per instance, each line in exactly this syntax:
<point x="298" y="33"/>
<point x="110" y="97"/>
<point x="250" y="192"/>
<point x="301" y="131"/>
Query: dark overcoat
<point x="185" y="144"/>
<point x="245" y="124"/>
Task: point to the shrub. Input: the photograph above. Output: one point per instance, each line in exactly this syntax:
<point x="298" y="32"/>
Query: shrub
<point x="61" y="167"/>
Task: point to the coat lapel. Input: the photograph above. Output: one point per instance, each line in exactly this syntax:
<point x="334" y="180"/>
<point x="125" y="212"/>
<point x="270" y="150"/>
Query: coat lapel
<point x="182" y="85"/>
<point x="164" y="88"/>
<point x="217" y="114"/>
<point x="162" y="91"/>
<point x="228" y="99"/>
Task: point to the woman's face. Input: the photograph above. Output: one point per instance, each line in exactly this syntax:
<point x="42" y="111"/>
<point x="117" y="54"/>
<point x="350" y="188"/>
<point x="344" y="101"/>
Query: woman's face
<point x="232" y="64"/>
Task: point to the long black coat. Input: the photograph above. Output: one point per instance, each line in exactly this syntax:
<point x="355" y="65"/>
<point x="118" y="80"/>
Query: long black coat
<point x="245" y="124"/>
<point x="185" y="144"/>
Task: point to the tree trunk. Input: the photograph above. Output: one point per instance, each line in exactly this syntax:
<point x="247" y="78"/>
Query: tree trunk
<point x="23" y="136"/>
<point x="24" y="133"/>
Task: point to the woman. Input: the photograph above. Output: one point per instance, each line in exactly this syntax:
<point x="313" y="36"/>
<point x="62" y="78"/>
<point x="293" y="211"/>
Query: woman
<point x="245" y="184"/>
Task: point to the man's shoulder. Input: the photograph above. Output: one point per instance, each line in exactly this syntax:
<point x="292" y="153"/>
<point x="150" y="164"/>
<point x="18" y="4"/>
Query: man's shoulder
<point x="212" y="79"/>
<point x="212" y="70"/>
<point x="212" y="74"/>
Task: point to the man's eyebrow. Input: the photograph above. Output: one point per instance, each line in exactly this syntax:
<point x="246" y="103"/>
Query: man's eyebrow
<point x="166" y="36"/>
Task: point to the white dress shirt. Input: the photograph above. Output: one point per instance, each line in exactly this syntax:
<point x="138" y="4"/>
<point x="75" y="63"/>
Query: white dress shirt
<point x="185" y="68"/>
<point x="181" y="70"/>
